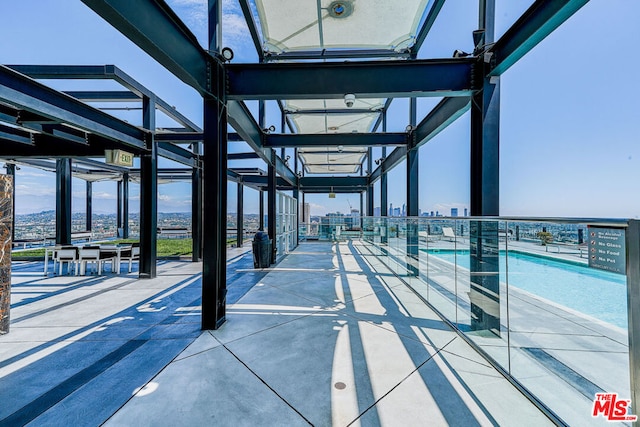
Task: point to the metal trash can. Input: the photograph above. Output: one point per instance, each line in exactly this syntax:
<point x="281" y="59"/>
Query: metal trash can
<point x="261" y="250"/>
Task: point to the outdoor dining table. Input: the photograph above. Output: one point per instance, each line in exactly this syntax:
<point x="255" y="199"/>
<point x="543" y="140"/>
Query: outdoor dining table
<point x="105" y="250"/>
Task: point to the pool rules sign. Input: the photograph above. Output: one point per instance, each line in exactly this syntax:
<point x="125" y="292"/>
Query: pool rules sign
<point x="606" y="249"/>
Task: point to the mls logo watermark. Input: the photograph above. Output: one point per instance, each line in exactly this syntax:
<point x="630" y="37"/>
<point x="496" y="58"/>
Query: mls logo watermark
<point x="611" y="408"/>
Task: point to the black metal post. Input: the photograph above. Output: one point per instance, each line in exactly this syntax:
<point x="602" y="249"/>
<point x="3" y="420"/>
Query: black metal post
<point x="11" y="171"/>
<point x="370" y="186"/>
<point x="413" y="178"/>
<point x="240" y="216"/>
<point x="148" y="195"/>
<point x="89" y="206"/>
<point x="296" y="195"/>
<point x="196" y="209"/>
<point x="63" y="201"/>
<point x="214" y="257"/>
<point x="484" y="193"/>
<point x="261" y="225"/>
<point x="125" y="205"/>
<point x="118" y="207"/>
<point x="271" y="208"/>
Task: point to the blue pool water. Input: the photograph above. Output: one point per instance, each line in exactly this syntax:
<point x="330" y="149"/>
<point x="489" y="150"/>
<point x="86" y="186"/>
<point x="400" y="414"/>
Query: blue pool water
<point x="598" y="293"/>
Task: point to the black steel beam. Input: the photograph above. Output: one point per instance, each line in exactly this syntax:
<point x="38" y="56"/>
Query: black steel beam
<point x="25" y="93"/>
<point x="536" y="23"/>
<point x="366" y="79"/>
<point x="426" y="26"/>
<point x="442" y="115"/>
<point x="395" y="157"/>
<point x="335" y="139"/>
<point x="105" y="96"/>
<point x="8" y="133"/>
<point x="242" y="156"/>
<point x="253" y="28"/>
<point x="310" y="182"/>
<point x="157" y="30"/>
<point x="110" y="72"/>
<point x="179" y="137"/>
<point x="177" y="154"/>
<point x="243" y="122"/>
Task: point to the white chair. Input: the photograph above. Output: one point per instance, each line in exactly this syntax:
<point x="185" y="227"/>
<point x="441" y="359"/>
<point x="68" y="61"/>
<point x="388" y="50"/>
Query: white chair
<point x="447" y="232"/>
<point x="130" y="254"/>
<point x="68" y="254"/>
<point x="89" y="254"/>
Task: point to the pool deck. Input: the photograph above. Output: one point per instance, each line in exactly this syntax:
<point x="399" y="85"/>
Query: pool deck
<point x="328" y="336"/>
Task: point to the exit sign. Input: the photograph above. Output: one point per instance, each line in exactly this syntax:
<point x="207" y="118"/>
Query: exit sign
<point x="118" y="157"/>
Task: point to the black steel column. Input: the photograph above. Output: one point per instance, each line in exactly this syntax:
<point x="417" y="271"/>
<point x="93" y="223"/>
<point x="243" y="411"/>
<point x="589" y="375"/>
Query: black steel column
<point x="11" y="171"/>
<point x="413" y="178"/>
<point x="271" y="207"/>
<point x="148" y="195"/>
<point x="261" y="225"/>
<point x="89" y="206"/>
<point x="370" y="186"/>
<point x="196" y="208"/>
<point x="125" y="205"/>
<point x="240" y="216"/>
<point x="214" y="257"/>
<point x="118" y="207"/>
<point x="384" y="200"/>
<point x="484" y="192"/>
<point x="63" y="201"/>
<point x="296" y="195"/>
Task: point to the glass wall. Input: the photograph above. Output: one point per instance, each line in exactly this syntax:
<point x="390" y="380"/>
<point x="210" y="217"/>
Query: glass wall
<point x="545" y="301"/>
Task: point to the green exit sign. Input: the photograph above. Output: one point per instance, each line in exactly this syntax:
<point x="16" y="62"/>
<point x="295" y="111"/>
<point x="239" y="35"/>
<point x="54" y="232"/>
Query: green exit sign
<point x="118" y="157"/>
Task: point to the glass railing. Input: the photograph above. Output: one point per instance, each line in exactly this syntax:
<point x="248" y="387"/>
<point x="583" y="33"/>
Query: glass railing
<point x="545" y="301"/>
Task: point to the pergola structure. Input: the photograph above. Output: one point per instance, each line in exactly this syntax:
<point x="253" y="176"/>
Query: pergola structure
<point x="333" y="66"/>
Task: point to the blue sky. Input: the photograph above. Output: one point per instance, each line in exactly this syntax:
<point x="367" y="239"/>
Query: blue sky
<point x="570" y="123"/>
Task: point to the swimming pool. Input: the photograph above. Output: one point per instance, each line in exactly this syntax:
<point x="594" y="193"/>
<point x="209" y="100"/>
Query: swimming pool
<point x="598" y="293"/>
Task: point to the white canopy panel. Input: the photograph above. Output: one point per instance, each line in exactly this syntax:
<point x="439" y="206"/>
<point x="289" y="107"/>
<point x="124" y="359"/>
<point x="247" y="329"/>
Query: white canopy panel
<point x="334" y="123"/>
<point x="296" y="25"/>
<point x="299" y="105"/>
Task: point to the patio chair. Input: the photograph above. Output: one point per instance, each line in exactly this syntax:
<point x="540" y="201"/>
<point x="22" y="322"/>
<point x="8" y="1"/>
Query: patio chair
<point x="69" y="255"/>
<point x="130" y="254"/>
<point x="448" y="233"/>
<point x="89" y="254"/>
<point x="109" y="253"/>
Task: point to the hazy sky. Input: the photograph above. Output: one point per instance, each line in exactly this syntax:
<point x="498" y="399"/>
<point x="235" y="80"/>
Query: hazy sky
<point x="569" y="115"/>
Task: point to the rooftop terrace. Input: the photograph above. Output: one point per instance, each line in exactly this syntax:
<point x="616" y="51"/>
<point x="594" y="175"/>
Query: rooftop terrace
<point x="329" y="336"/>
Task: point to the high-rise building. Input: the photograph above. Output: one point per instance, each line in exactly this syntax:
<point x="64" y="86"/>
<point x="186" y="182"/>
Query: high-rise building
<point x="466" y="213"/>
<point x="390" y="209"/>
<point x="306" y="214"/>
<point x="404" y="210"/>
<point x="377" y="211"/>
<point x="454" y="211"/>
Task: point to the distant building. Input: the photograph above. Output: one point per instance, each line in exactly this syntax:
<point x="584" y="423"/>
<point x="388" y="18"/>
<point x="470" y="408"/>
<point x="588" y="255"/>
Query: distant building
<point x="377" y="211"/>
<point x="454" y="211"/>
<point x="432" y="213"/>
<point x="396" y="212"/>
<point x="404" y="210"/>
<point x="305" y="215"/>
<point x="390" y="209"/>
<point x="465" y="212"/>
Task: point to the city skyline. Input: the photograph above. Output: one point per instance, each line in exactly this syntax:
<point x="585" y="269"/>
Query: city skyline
<point x="568" y="127"/>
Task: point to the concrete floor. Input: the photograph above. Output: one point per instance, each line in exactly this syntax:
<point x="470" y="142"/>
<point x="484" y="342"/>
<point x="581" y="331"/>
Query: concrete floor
<point x="326" y="337"/>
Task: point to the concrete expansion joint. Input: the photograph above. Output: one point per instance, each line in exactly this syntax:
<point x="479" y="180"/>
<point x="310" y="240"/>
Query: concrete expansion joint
<point x="266" y="384"/>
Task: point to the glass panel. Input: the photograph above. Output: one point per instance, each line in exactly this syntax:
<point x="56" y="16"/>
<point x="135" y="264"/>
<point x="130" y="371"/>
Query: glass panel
<point x="339" y="24"/>
<point x="334" y="123"/>
<point x="568" y="321"/>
